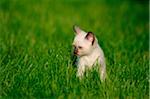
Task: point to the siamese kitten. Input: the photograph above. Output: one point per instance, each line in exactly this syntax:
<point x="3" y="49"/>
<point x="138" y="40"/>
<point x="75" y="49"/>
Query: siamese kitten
<point x="88" y="52"/>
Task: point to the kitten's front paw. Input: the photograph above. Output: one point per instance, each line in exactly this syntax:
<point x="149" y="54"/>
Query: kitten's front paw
<point x="103" y="76"/>
<point x="79" y="75"/>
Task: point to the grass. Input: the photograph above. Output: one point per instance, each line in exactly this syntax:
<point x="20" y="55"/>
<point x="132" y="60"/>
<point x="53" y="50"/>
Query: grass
<point x="35" y="47"/>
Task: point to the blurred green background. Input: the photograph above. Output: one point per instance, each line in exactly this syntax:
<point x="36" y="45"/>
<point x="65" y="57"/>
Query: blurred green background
<point x="35" y="46"/>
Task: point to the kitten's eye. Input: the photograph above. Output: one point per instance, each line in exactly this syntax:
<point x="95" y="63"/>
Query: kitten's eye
<point x="74" y="46"/>
<point x="80" y="47"/>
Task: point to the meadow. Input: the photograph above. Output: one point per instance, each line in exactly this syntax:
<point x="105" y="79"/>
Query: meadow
<point x="36" y="44"/>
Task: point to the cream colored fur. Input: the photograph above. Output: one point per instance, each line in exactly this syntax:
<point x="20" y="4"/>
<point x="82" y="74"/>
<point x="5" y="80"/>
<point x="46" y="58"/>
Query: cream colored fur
<point x="89" y="55"/>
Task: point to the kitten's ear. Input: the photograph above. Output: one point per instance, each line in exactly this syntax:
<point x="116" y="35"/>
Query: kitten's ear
<point x="76" y="29"/>
<point x="90" y="36"/>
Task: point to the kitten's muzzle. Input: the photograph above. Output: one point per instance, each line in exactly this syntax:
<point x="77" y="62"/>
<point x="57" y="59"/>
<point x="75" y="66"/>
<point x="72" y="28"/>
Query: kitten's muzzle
<point x="76" y="51"/>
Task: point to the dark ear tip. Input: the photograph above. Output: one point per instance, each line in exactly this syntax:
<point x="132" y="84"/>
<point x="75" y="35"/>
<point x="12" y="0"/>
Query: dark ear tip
<point x="90" y="33"/>
<point x="74" y="27"/>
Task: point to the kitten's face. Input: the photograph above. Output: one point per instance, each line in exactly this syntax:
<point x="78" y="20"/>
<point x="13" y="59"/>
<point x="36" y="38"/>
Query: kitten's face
<point x="83" y="42"/>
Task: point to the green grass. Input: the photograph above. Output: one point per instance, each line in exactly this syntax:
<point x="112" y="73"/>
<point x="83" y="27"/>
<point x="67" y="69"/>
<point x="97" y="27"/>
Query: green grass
<point x="35" y="47"/>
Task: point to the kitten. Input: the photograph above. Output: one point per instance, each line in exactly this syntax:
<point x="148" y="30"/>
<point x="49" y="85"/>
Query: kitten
<point x="88" y="52"/>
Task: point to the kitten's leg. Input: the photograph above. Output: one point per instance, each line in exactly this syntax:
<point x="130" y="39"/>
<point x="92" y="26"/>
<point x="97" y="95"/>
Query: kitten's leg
<point x="80" y="71"/>
<point x="102" y="68"/>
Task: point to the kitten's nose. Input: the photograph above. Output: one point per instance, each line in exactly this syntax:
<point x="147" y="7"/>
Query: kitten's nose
<point x="75" y="51"/>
